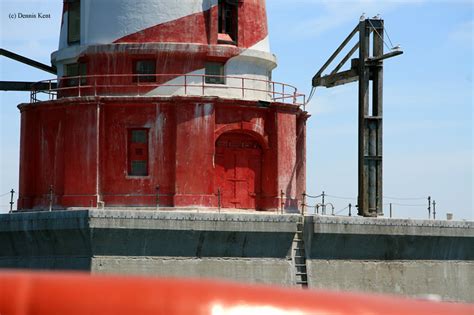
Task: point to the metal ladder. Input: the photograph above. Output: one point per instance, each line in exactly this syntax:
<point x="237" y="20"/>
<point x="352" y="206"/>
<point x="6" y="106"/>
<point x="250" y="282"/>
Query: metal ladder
<point x="299" y="255"/>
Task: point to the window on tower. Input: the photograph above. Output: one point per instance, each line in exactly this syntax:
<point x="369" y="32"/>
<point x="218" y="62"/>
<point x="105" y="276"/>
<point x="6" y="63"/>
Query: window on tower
<point x="215" y="73"/>
<point x="227" y="26"/>
<point x="76" y="73"/>
<point x="74" y="21"/>
<point x="138" y="152"/>
<point x="144" y="70"/>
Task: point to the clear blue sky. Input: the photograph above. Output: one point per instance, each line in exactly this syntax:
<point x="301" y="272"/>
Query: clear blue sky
<point x="428" y="95"/>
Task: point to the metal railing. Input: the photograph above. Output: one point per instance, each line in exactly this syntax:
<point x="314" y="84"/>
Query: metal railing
<point x="170" y="84"/>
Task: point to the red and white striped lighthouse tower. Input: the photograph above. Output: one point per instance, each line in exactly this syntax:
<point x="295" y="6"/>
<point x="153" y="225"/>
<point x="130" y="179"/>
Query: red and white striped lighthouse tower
<point x="163" y="103"/>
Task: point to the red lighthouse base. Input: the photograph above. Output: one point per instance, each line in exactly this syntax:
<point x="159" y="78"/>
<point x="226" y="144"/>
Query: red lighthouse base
<point x="161" y="151"/>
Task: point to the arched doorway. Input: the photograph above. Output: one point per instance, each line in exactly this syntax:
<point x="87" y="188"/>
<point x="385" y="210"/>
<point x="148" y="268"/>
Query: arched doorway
<point x="238" y="170"/>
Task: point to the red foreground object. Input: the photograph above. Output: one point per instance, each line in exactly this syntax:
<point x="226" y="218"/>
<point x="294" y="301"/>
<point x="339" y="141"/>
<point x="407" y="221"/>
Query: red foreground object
<point x="24" y="293"/>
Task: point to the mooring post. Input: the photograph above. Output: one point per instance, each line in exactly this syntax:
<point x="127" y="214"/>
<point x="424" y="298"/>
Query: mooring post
<point x="51" y="198"/>
<point x="429" y="207"/>
<point x="12" y="192"/>
<point x="434" y="209"/>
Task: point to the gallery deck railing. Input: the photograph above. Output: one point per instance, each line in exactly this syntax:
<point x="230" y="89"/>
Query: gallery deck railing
<point x="170" y="84"/>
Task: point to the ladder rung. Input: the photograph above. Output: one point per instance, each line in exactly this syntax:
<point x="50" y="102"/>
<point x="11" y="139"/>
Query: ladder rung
<point x="300" y="265"/>
<point x="301" y="273"/>
<point x="301" y="282"/>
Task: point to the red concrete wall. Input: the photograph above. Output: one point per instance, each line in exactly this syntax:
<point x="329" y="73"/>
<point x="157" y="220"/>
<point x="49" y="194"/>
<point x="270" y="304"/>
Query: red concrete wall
<point x="60" y="146"/>
<point x="58" y="149"/>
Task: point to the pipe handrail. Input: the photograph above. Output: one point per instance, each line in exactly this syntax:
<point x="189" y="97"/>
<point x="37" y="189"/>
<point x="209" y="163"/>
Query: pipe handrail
<point x="91" y="85"/>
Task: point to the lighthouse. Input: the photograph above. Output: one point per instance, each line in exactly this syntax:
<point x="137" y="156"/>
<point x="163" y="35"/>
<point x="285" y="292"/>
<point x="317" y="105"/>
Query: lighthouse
<point x="163" y="104"/>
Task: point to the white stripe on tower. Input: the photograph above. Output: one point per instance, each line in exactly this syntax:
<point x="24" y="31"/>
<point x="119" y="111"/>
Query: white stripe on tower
<point x="105" y="21"/>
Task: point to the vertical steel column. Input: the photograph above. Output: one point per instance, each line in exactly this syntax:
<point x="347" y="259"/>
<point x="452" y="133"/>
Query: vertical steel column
<point x="370" y="120"/>
<point x="363" y="202"/>
<point x="377" y="110"/>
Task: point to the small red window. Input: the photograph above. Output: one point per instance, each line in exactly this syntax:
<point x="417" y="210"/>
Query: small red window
<point x="138" y="152"/>
<point x="228" y="22"/>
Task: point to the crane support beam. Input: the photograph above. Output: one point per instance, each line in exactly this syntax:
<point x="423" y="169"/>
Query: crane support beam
<point x="334" y="55"/>
<point x="28" y="61"/>
<point x="24" y="86"/>
<point x="336" y="79"/>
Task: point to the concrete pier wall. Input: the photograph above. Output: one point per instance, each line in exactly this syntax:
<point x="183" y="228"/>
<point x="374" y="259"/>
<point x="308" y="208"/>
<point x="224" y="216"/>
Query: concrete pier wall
<point x="407" y="257"/>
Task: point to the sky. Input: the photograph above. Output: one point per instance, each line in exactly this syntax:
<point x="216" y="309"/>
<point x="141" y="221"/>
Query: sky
<point x="428" y="96"/>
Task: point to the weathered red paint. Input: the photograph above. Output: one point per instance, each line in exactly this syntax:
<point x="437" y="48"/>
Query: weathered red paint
<point x="80" y="145"/>
<point x="199" y="28"/>
<point x="238" y="170"/>
<point x="80" y="148"/>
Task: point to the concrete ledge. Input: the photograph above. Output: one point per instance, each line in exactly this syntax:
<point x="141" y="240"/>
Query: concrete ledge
<point x="192" y="221"/>
<point x="358" y="225"/>
<point x="329" y="237"/>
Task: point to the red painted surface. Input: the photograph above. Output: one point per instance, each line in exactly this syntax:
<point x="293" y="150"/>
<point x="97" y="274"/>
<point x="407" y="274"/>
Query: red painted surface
<point x="80" y="146"/>
<point x="238" y="172"/>
<point x="200" y="28"/>
<point x="196" y="146"/>
<point x="59" y="293"/>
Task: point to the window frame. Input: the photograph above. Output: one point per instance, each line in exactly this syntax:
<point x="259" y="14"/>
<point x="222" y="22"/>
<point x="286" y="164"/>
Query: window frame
<point x="214" y="78"/>
<point x="80" y="71"/>
<point x="226" y="35"/>
<point x="138" y="145"/>
<point x="144" y="77"/>
<point x="76" y="36"/>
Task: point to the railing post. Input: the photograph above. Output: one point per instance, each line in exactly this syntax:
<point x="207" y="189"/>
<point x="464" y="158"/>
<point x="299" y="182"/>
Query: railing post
<point x="12" y="192"/>
<point x="429" y="207"/>
<point x="51" y="198"/>
<point x="434" y="210"/>
<point x="323" y="205"/>
<point x="350" y="208"/>
<point x="79" y="86"/>
<point x="282" y="201"/>
<point x="273" y="83"/>
<point x="391" y="210"/>
<point x="157" y="197"/>
<point x="243" y="89"/>
<point x="185" y="84"/>
<point x="95" y="86"/>
<point x="219" y="200"/>
<point x="303" y="204"/>
<point x="203" y="80"/>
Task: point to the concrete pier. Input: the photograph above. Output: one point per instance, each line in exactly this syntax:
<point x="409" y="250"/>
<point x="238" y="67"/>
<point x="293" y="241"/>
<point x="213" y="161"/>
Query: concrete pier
<point x="407" y="257"/>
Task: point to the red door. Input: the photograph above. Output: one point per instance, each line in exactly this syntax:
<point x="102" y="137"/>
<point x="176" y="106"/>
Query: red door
<point x="238" y="163"/>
